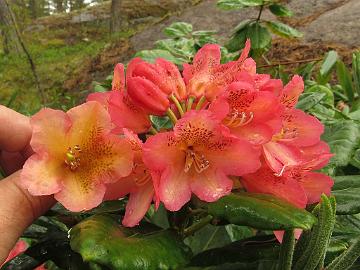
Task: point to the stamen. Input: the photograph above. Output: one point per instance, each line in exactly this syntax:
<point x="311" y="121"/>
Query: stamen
<point x="281" y="172"/>
<point x="198" y="160"/>
<point x="72" y="157"/>
<point x="239" y="119"/>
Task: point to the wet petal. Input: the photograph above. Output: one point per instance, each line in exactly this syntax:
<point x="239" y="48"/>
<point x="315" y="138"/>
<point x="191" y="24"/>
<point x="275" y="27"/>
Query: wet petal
<point x="211" y="185"/>
<point x="138" y="204"/>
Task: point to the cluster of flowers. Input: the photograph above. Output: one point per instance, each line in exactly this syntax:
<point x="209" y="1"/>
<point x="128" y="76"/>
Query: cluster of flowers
<point x="230" y="124"/>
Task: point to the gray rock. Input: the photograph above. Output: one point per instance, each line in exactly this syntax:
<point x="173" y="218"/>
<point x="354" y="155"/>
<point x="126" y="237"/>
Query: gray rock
<point x="340" y="25"/>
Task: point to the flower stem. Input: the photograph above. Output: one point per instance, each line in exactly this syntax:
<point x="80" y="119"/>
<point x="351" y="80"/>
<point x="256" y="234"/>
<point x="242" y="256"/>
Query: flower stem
<point x="260" y="11"/>
<point x="153" y="130"/>
<point x="190" y="102"/>
<point x="200" y="103"/>
<point x="177" y="104"/>
<point x="171" y="115"/>
<point x="197" y="226"/>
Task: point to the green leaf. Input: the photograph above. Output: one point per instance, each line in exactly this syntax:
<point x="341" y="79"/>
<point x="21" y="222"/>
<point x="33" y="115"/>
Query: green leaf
<point x="309" y="100"/>
<point x="342" y="137"/>
<point x="238" y="4"/>
<point x="100" y="88"/>
<point x="347" y="193"/>
<point x="347" y="259"/>
<point x="151" y="55"/>
<point x="344" y="77"/>
<point x="246" y="252"/>
<point x="259" y="36"/>
<point x="326" y="67"/>
<point x="356" y="70"/>
<point x="178" y="29"/>
<point x="161" y="123"/>
<point x="280" y="10"/>
<point x="100" y="239"/>
<point x="283" y="30"/>
<point x="237" y="41"/>
<point x="260" y="211"/>
<point x="204" y="33"/>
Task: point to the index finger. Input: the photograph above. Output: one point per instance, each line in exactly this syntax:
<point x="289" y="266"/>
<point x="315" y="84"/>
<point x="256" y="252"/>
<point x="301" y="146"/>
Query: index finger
<point x="15" y="130"/>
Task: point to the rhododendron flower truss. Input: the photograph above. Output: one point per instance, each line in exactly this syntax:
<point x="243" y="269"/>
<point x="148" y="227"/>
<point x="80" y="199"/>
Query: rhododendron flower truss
<point x="198" y="156"/>
<point x="75" y="156"/>
<point x="139" y="184"/>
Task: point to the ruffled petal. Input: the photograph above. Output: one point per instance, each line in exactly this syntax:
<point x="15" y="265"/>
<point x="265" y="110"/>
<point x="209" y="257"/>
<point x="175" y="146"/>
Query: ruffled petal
<point x="79" y="192"/>
<point x="42" y="175"/>
<point x="211" y="185"/>
<point x="292" y="91"/>
<point x="138" y="204"/>
<point x="264" y="181"/>
<point x="49" y="132"/>
<point x="125" y="114"/>
<point x="316" y="184"/>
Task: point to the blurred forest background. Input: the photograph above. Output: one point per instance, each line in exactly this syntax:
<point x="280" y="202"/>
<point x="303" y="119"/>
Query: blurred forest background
<point x="52" y="52"/>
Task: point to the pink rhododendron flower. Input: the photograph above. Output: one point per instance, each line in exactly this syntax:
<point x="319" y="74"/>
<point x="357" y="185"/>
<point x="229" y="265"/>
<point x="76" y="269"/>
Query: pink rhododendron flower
<point x="252" y="113"/>
<point x="139" y="184"/>
<point x="75" y="156"/>
<point x="198" y="156"/>
<point x="206" y="76"/>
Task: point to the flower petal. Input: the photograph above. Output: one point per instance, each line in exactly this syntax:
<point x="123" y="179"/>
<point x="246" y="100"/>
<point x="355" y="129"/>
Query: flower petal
<point x="264" y="181"/>
<point x="49" y="131"/>
<point x="102" y="98"/>
<point x="316" y="184"/>
<point x="174" y="188"/>
<point x="301" y="129"/>
<point x="211" y="185"/>
<point x="118" y="82"/>
<point x="292" y="91"/>
<point x="80" y="193"/>
<point x="42" y="174"/>
<point x="125" y="114"/>
<point x="138" y="204"/>
<point x="256" y="133"/>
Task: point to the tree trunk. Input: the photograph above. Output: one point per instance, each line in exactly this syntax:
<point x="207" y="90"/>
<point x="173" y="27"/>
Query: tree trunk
<point x="118" y="20"/>
<point x="8" y="30"/>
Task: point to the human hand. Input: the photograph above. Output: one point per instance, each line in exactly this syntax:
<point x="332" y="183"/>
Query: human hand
<point x="18" y="209"/>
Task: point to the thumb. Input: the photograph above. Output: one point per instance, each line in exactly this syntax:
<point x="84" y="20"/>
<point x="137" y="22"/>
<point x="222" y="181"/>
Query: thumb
<point x="18" y="209"/>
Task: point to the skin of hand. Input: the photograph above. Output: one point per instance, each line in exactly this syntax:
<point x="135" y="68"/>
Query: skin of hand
<point x="18" y="209"/>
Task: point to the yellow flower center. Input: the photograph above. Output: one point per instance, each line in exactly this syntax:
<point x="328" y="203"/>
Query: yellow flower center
<point x="72" y="157"/>
<point x="198" y="160"/>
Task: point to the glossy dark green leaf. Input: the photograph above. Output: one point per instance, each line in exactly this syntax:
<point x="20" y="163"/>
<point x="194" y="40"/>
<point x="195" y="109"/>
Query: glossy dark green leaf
<point x="344" y="78"/>
<point x="245" y="251"/>
<point x="280" y="10"/>
<point x="260" y="211"/>
<point x="178" y="29"/>
<point x="342" y="137"/>
<point x="237" y="41"/>
<point x="327" y="66"/>
<point x="347" y="193"/>
<point x="238" y="4"/>
<point x="100" y="239"/>
<point x="212" y="236"/>
<point x="283" y="30"/>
